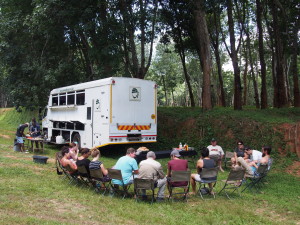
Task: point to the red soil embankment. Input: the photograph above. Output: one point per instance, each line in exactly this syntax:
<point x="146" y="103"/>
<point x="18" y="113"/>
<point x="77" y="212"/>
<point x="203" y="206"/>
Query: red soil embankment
<point x="291" y="138"/>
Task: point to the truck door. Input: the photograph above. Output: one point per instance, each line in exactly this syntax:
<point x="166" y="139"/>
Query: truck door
<point x="96" y="121"/>
<point x="101" y="117"/>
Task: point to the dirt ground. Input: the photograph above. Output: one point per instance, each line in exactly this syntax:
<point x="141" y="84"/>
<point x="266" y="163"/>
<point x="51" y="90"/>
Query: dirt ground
<point x="4" y="136"/>
<point x="294" y="169"/>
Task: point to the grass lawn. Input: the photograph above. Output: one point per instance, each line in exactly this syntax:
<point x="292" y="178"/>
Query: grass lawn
<point x="34" y="194"/>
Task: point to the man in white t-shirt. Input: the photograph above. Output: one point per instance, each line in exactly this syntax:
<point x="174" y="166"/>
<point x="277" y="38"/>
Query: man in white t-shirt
<point x="216" y="152"/>
<point x="255" y="156"/>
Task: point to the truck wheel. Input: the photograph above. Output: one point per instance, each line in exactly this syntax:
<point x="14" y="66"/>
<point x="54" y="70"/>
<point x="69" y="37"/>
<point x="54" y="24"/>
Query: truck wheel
<point x="77" y="139"/>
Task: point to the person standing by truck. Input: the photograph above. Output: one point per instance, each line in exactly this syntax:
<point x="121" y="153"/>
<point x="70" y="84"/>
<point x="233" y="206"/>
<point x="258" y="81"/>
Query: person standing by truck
<point x="20" y="135"/>
<point x="34" y="128"/>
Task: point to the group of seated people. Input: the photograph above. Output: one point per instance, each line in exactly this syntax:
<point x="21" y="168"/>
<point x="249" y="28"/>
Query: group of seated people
<point x="70" y="158"/>
<point x="249" y="158"/>
<point x="152" y="169"/>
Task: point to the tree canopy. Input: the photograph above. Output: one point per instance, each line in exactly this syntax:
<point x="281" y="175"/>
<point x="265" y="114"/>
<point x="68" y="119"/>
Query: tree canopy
<point x="185" y="46"/>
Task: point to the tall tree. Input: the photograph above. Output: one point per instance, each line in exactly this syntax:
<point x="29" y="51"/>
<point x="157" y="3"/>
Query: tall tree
<point x="294" y="69"/>
<point x="252" y="72"/>
<point x="234" y="57"/>
<point x="214" y="32"/>
<point x="178" y="26"/>
<point x="203" y="44"/>
<point x="138" y="16"/>
<point x="279" y="17"/>
<point x="259" y="10"/>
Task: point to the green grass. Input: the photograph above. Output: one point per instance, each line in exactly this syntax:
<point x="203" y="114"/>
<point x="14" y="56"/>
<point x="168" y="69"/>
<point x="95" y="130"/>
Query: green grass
<point x="34" y="194"/>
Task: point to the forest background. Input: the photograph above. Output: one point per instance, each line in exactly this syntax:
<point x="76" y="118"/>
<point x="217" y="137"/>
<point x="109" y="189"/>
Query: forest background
<point x="185" y="46"/>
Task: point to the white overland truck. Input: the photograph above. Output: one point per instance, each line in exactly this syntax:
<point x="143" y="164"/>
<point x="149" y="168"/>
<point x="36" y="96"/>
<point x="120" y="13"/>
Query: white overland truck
<point x="115" y="110"/>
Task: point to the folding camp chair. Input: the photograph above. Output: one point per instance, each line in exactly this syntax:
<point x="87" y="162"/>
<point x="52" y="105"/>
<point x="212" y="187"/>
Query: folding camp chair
<point x="141" y="186"/>
<point x="99" y="181"/>
<point x="59" y="169"/>
<point x="117" y="175"/>
<point x="84" y="175"/>
<point x="179" y="176"/>
<point x="71" y="174"/>
<point x="234" y="181"/>
<point x="67" y="171"/>
<point x="208" y="176"/>
<point x="255" y="179"/>
<point x="227" y="158"/>
<point x="264" y="177"/>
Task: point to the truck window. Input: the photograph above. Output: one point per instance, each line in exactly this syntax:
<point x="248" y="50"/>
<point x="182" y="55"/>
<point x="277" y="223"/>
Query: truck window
<point x="62" y="99"/>
<point x="80" y="98"/>
<point x="71" y="98"/>
<point x="89" y="113"/>
<point x="54" y="100"/>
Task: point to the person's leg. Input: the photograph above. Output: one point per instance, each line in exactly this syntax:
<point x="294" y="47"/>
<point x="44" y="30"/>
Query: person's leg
<point x="132" y="178"/>
<point x="161" y="184"/>
<point x="220" y="163"/>
<point x="22" y="148"/>
<point x="233" y="162"/>
<point x="194" y="178"/>
<point x="245" y="165"/>
<point x="143" y="193"/>
<point x="20" y="142"/>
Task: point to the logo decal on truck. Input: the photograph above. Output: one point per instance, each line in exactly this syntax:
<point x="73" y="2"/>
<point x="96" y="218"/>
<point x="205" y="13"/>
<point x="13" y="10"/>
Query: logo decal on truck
<point x="135" y="93"/>
<point x="97" y="105"/>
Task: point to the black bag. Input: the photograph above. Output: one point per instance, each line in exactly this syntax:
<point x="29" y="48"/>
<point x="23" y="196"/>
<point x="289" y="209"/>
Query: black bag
<point x="204" y="191"/>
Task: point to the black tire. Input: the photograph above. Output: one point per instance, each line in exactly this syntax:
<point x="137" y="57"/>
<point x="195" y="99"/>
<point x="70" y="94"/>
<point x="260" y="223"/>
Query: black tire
<point x="77" y="139"/>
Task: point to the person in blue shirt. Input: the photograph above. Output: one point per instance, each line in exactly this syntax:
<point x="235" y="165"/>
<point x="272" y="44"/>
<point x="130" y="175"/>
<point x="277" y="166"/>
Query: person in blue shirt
<point x="34" y="129"/>
<point x="128" y="166"/>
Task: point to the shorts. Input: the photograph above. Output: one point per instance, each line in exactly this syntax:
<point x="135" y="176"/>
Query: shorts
<point x="20" y="140"/>
<point x="197" y="178"/>
<point x="105" y="179"/>
<point x="216" y="158"/>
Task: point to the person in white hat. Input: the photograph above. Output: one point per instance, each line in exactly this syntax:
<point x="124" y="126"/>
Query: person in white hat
<point x="216" y="153"/>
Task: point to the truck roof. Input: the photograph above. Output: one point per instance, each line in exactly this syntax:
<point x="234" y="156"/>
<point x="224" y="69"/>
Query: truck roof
<point x="90" y="84"/>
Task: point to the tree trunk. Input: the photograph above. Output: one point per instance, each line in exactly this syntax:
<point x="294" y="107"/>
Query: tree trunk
<point x="280" y="60"/>
<point x="85" y="47"/>
<point x="274" y="77"/>
<point x="186" y="76"/>
<point x="165" y="89"/>
<point x="236" y="69"/>
<point x="215" y="43"/>
<point x="294" y="69"/>
<point x="173" y="99"/>
<point x="203" y="44"/>
<point x="245" y="78"/>
<point x="138" y="68"/>
<point x="105" y="32"/>
<point x="256" y="95"/>
<point x="264" y="97"/>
